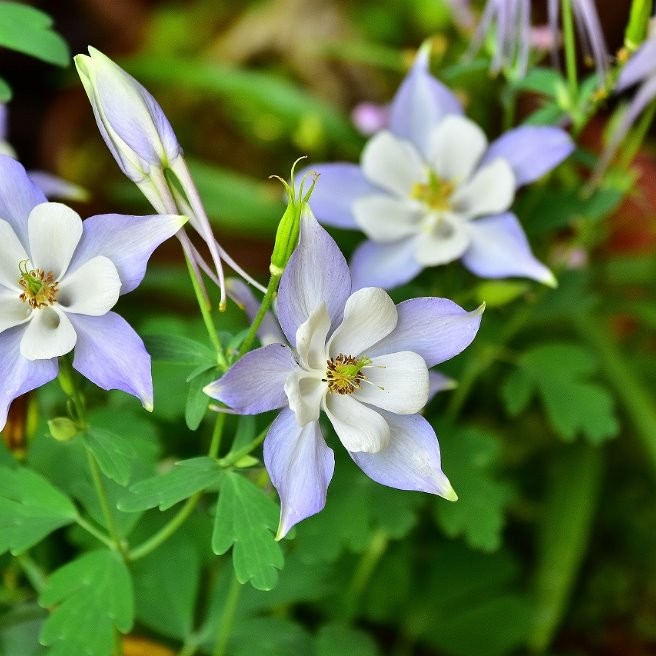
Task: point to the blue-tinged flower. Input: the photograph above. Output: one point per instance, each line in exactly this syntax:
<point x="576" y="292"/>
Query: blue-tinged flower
<point x="59" y="279"/>
<point x="431" y="190"/>
<point x="5" y="146"/>
<point x="362" y="361"/>
<point x="590" y="33"/>
<point x="511" y="20"/>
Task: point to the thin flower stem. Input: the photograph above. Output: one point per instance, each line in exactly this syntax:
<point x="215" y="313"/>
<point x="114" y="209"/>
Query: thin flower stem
<point x="101" y="492"/>
<point x="32" y="571"/>
<point x="569" y="40"/>
<point x="365" y="568"/>
<point x="633" y="144"/>
<point x="92" y="530"/>
<point x="630" y="390"/>
<point x="154" y="541"/>
<point x="231" y="459"/>
<point x="227" y="618"/>
<point x="261" y="313"/>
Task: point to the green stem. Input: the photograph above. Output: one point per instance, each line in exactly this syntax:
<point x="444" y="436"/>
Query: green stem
<point x="564" y="537"/>
<point x="637" y="136"/>
<point x="232" y="458"/>
<point x="365" y="568"/>
<point x="630" y="390"/>
<point x="91" y="529"/>
<point x="569" y="40"/>
<point x="227" y="618"/>
<point x="207" y="316"/>
<point x="261" y="313"/>
<point x="101" y="492"/>
<point x="217" y="433"/>
<point x="32" y="571"/>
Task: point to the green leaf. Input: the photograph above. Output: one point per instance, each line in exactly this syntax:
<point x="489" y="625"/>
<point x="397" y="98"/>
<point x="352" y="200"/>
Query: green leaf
<point x="28" y="30"/>
<point x="5" y="92"/>
<point x="114" y="453"/>
<point x="269" y="636"/>
<point x="559" y="373"/>
<point x="246" y="518"/>
<point x="544" y="81"/>
<point x="197" y="400"/>
<point x="345" y="641"/>
<point x="19" y="628"/>
<point x="178" y="349"/>
<point x="186" y="478"/>
<point x="92" y="597"/>
<point x="469" y="456"/>
<point x="30" y="509"/>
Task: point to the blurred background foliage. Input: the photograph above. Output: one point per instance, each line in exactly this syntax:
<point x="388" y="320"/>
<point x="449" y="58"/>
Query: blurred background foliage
<point x="551" y="546"/>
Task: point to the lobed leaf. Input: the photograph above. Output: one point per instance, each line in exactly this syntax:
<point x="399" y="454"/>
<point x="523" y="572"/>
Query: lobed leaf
<point x="114" y="453"/>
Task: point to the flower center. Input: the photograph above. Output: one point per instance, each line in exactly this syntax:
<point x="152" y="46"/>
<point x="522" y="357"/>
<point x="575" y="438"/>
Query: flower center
<point x="436" y="193"/>
<point x="39" y="288"/>
<point x="344" y="373"/>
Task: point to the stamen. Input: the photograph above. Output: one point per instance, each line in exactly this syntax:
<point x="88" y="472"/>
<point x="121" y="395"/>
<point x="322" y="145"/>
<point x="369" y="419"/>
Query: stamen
<point x="39" y="288"/>
<point x="436" y="193"/>
<point x="344" y="373"/>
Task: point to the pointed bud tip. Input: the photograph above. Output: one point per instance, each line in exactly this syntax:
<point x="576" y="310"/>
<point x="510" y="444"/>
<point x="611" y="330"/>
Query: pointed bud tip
<point x="549" y="280"/>
<point x="481" y="308"/>
<point x="449" y="493"/>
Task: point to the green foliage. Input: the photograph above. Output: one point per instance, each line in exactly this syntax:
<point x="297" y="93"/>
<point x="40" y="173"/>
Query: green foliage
<point x="559" y="373"/>
<point x="197" y="400"/>
<point x="469" y="456"/>
<point x="114" y="453"/>
<point x="178" y="349"/>
<point x="5" y="91"/>
<point x="28" y="30"/>
<point x="270" y="636"/>
<point x="186" y="478"/>
<point x="245" y="518"/>
<point x="91" y="598"/>
<point x="343" y="640"/>
<point x="30" y="509"/>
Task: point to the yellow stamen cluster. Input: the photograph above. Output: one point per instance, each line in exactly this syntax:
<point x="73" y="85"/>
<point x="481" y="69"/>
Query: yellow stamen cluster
<point x="39" y="288"/>
<point x="436" y="193"/>
<point x="344" y="373"/>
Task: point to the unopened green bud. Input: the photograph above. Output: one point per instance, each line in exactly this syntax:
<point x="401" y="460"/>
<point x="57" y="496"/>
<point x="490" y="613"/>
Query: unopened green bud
<point x="636" y="31"/>
<point x="63" y="429"/>
<point x="290" y="224"/>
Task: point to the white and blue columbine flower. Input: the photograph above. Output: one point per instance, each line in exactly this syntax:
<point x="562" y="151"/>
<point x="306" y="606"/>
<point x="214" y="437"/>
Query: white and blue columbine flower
<point x="362" y="361"/>
<point x="59" y="279"/>
<point x="430" y="190"/>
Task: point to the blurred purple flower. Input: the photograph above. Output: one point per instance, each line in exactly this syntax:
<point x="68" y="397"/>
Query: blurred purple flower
<point x="590" y="33"/>
<point x="430" y="190"/>
<point x="59" y="279"/>
<point x="369" y="117"/>
<point x="360" y="359"/>
<point x="511" y="20"/>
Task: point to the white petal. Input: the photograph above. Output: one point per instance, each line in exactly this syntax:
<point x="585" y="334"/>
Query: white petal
<point x="456" y="146"/>
<point x="444" y="242"/>
<point x="358" y="427"/>
<point x="92" y="289"/>
<point x="54" y="231"/>
<point x="12" y="254"/>
<point x="305" y="393"/>
<point x="385" y="218"/>
<point x="392" y="163"/>
<point x="48" y="334"/>
<point x="397" y="382"/>
<point x="311" y="339"/>
<point x="12" y="310"/>
<point x="490" y="191"/>
<point x="369" y="315"/>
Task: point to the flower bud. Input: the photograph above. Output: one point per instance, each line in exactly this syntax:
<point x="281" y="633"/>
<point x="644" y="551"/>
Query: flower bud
<point x="133" y="125"/>
<point x="63" y="429"/>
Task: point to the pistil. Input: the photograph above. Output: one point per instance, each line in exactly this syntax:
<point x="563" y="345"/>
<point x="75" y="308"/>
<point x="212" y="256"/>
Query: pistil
<point x="39" y="287"/>
<point x="344" y="373"/>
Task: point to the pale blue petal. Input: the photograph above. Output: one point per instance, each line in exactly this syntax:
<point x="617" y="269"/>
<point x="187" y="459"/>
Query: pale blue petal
<point x="531" y="151"/>
<point x="499" y="249"/>
<point x="111" y="355"/>
<point x="338" y="187"/>
<point x="18" y="374"/>
<point x="438" y="382"/>
<point x="410" y="461"/>
<point x="256" y="383"/>
<point x="316" y="273"/>
<point x="420" y="103"/>
<point x="55" y="187"/>
<point x="3" y="121"/>
<point x="300" y="466"/>
<point x="128" y="241"/>
<point x="435" y="328"/>
<point x="639" y="67"/>
<point x="18" y="196"/>
<point x="384" y="265"/>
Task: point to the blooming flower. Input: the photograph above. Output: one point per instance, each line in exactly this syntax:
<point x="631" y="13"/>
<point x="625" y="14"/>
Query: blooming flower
<point x="362" y="361"/>
<point x="430" y="190"/>
<point x="512" y="19"/>
<point x="59" y="279"/>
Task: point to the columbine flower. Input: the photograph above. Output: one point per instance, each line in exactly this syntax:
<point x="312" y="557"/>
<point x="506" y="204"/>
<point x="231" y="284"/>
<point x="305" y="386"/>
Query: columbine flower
<point x="430" y="190"/>
<point x="59" y="279"/>
<point x="590" y="33"/>
<point x="362" y="361"/>
<point x="512" y="22"/>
